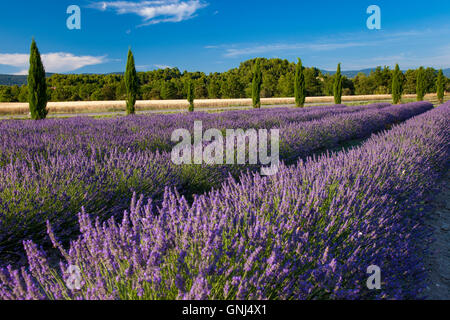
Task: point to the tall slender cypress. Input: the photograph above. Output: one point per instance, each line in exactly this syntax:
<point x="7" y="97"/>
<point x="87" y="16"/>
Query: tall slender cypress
<point x="131" y="84"/>
<point x="440" y="86"/>
<point x="338" y="86"/>
<point x="190" y="95"/>
<point x="397" y="85"/>
<point x="256" y="85"/>
<point x="37" y="86"/>
<point x="300" y="85"/>
<point x="421" y="84"/>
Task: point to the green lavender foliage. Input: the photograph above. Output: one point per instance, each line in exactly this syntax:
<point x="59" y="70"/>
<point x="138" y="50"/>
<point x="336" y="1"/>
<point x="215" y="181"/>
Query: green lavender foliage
<point x="338" y="86"/>
<point x="37" y="86"/>
<point x="131" y="84"/>
<point x="300" y="85"/>
<point x="440" y="86"/>
<point x="421" y="84"/>
<point x="256" y="85"/>
<point x="190" y="95"/>
<point x="397" y="85"/>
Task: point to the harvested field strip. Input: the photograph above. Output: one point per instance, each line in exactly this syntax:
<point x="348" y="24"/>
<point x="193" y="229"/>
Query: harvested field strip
<point x="112" y="106"/>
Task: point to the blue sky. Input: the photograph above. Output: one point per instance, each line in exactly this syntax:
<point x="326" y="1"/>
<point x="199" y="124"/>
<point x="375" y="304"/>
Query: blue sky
<point x="216" y="35"/>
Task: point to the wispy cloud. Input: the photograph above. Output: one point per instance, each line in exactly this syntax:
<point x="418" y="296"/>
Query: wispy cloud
<point x="359" y="50"/>
<point x="53" y="62"/>
<point x="438" y="58"/>
<point x="322" y="44"/>
<point x="283" y="47"/>
<point x="163" y="66"/>
<point x="156" y="11"/>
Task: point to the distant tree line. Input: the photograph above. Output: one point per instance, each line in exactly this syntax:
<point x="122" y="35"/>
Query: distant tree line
<point x="278" y="80"/>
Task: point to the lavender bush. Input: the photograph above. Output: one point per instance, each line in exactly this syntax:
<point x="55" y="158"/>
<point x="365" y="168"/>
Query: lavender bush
<point x="50" y="169"/>
<point x="20" y="139"/>
<point x="309" y="232"/>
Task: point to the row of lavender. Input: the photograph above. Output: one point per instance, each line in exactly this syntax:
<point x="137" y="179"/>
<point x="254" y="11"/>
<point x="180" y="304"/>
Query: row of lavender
<point x="54" y="185"/>
<point x="148" y="133"/>
<point x="309" y="232"/>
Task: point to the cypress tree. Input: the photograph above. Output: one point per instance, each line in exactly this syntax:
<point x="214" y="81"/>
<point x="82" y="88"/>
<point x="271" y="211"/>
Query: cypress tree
<point x="37" y="86"/>
<point x="256" y="85"/>
<point x="397" y="85"/>
<point x="338" y="85"/>
<point x="190" y="95"/>
<point x="131" y="84"/>
<point x="421" y="84"/>
<point x="300" y="85"/>
<point x="440" y="86"/>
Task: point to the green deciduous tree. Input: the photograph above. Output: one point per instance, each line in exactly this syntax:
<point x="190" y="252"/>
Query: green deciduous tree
<point x="214" y="88"/>
<point x="37" y="86"/>
<point x="285" y="87"/>
<point x="382" y="78"/>
<point x="337" y="88"/>
<point x="397" y="85"/>
<point x="169" y="90"/>
<point x="232" y="86"/>
<point x="256" y="85"/>
<point x="300" y="85"/>
<point x="191" y="95"/>
<point x="440" y="85"/>
<point x="23" y="95"/>
<point x="6" y="94"/>
<point x="201" y="87"/>
<point x="421" y="84"/>
<point x="131" y="84"/>
<point x="313" y="83"/>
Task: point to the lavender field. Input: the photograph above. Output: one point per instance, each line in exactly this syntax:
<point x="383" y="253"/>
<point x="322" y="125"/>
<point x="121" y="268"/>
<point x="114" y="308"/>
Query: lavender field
<point x="104" y="195"/>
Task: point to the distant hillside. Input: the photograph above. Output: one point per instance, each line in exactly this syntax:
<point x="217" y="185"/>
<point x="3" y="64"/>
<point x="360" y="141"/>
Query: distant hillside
<point x="11" y="80"/>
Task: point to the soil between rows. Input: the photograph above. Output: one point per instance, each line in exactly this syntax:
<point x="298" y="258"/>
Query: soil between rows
<point x="437" y="261"/>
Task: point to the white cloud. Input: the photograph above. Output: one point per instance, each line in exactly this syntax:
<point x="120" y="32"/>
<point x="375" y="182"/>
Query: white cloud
<point x="271" y="48"/>
<point x="330" y="43"/>
<point x="53" y="62"/>
<point x="439" y="58"/>
<point x="239" y="50"/>
<point x="156" y="11"/>
<point x="14" y="59"/>
<point x="162" y="66"/>
<point x="21" y="73"/>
